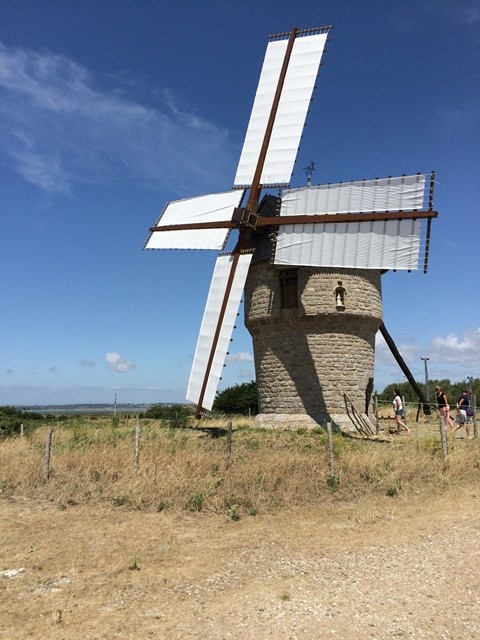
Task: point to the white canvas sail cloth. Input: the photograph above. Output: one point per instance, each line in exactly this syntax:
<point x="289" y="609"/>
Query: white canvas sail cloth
<point x="209" y="325"/>
<point x="213" y="207"/>
<point x="377" y="244"/>
<point x="292" y="110"/>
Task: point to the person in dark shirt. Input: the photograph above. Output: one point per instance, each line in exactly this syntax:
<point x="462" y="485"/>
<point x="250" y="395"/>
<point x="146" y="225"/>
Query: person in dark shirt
<point x="463" y="417"/>
<point x="443" y="407"/>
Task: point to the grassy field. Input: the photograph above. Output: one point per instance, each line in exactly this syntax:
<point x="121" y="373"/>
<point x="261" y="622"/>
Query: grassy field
<point x="266" y="541"/>
<point x="94" y="461"/>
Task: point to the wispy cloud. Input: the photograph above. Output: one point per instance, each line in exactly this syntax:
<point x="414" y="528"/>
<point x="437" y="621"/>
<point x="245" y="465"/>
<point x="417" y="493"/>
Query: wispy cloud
<point x="464" y="12"/>
<point x="29" y="395"/>
<point x="118" y="363"/>
<point x="459" y="118"/>
<point x="86" y="364"/>
<point x="241" y="356"/>
<point x="453" y="357"/>
<point x="59" y="129"/>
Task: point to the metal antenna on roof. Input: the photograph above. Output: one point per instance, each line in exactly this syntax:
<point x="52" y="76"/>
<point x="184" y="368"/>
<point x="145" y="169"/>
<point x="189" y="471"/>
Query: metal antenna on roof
<point x="308" y="172"/>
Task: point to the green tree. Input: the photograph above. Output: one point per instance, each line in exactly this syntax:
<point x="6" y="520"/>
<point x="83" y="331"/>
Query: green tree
<point x="239" y="399"/>
<point x="452" y="389"/>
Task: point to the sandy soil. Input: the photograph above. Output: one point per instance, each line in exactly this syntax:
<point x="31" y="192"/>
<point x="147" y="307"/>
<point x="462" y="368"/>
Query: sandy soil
<point x="393" y="568"/>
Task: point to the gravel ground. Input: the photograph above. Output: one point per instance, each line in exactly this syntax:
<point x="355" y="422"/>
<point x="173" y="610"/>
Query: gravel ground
<point x="393" y="568"/>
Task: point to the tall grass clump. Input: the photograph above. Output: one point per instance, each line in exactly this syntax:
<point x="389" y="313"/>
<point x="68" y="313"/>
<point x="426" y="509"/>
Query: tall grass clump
<point x="186" y="468"/>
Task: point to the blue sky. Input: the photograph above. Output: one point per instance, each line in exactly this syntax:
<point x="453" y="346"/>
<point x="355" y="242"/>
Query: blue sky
<point x="110" y="109"/>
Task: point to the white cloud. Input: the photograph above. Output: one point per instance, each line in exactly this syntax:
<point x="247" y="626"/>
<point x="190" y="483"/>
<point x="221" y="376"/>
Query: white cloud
<point x="450" y="357"/>
<point x="118" y="363"/>
<point x="241" y="356"/>
<point x="57" y="128"/>
<point x="452" y="348"/>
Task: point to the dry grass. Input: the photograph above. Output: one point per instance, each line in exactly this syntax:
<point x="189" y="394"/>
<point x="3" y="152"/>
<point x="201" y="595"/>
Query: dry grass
<point x="187" y="469"/>
<point x="372" y="550"/>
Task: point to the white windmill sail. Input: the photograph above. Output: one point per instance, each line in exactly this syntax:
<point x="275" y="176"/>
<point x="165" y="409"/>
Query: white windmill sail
<point x="375" y="244"/>
<point x="292" y="110"/>
<point x="214" y="207"/>
<point x="209" y="326"/>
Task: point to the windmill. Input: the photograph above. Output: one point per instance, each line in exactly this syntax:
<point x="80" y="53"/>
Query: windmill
<point x="310" y="259"/>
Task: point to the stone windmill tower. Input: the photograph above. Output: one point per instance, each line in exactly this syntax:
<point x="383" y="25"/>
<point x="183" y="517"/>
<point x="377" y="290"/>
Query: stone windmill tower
<point x="310" y="259"/>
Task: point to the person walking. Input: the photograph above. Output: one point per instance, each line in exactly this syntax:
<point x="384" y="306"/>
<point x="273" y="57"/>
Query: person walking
<point x="443" y="407"/>
<point x="399" y="412"/>
<point x="464" y="414"/>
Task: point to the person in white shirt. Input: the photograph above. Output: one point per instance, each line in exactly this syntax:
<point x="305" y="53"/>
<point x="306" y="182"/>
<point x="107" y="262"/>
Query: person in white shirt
<point x="399" y="413"/>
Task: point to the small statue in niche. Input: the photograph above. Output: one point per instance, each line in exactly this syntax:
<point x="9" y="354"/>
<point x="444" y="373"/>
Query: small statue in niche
<point x="340" y="296"/>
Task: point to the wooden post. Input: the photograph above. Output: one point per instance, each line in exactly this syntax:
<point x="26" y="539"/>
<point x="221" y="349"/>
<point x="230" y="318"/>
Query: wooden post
<point x="331" y="465"/>
<point x="229" y="444"/>
<point x="137" y="445"/>
<point x="443" y="437"/>
<point x="474" y="403"/>
<point x="21" y="430"/>
<point x="375" y="413"/>
<point x="48" y="449"/>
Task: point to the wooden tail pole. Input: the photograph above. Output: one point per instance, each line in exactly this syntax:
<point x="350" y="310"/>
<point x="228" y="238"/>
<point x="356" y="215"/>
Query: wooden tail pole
<point x="406" y="371"/>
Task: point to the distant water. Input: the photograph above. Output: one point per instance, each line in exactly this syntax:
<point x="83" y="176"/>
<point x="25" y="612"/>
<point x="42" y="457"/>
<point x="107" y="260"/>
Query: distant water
<point x="58" y="409"/>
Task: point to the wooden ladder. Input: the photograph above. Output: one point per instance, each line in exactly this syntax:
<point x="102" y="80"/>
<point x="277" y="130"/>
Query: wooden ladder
<point x="360" y="422"/>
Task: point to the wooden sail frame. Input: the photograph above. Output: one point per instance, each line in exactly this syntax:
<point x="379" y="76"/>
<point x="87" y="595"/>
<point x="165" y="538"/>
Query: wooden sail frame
<point x="246" y="219"/>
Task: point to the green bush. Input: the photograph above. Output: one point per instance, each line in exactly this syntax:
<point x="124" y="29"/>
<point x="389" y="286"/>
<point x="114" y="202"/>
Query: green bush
<point x="11" y="418"/>
<point x="178" y="415"/>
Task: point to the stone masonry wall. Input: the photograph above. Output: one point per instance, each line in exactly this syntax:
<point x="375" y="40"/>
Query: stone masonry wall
<point x="307" y="358"/>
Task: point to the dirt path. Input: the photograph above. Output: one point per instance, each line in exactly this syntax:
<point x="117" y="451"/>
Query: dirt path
<point x="389" y="569"/>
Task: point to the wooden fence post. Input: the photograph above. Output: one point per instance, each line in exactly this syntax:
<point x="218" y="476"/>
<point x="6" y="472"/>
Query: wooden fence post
<point x="21" y="430"/>
<point x="443" y="438"/>
<point x="475" y="429"/>
<point x="137" y="445"/>
<point x="331" y="465"/>
<point x="48" y="449"/>
<point x="229" y="444"/>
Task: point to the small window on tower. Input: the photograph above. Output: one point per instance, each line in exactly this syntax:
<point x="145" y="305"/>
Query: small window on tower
<point x="288" y="288"/>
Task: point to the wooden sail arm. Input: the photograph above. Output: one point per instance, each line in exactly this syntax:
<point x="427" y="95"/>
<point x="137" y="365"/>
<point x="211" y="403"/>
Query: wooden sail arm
<point x="264" y="221"/>
<point x="255" y="188"/>
<point x="218" y="224"/>
<point x="254" y="221"/>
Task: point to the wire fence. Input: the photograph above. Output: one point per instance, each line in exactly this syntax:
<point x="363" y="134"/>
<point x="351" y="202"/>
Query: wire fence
<point x="423" y="424"/>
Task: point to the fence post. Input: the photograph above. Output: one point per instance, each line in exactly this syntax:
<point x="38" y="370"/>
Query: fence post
<point x="375" y="413"/>
<point x="48" y="449"/>
<point x="443" y="437"/>
<point x="229" y="444"/>
<point x="21" y="430"/>
<point x="331" y="465"/>
<point x="475" y="429"/>
<point x="137" y="445"/>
